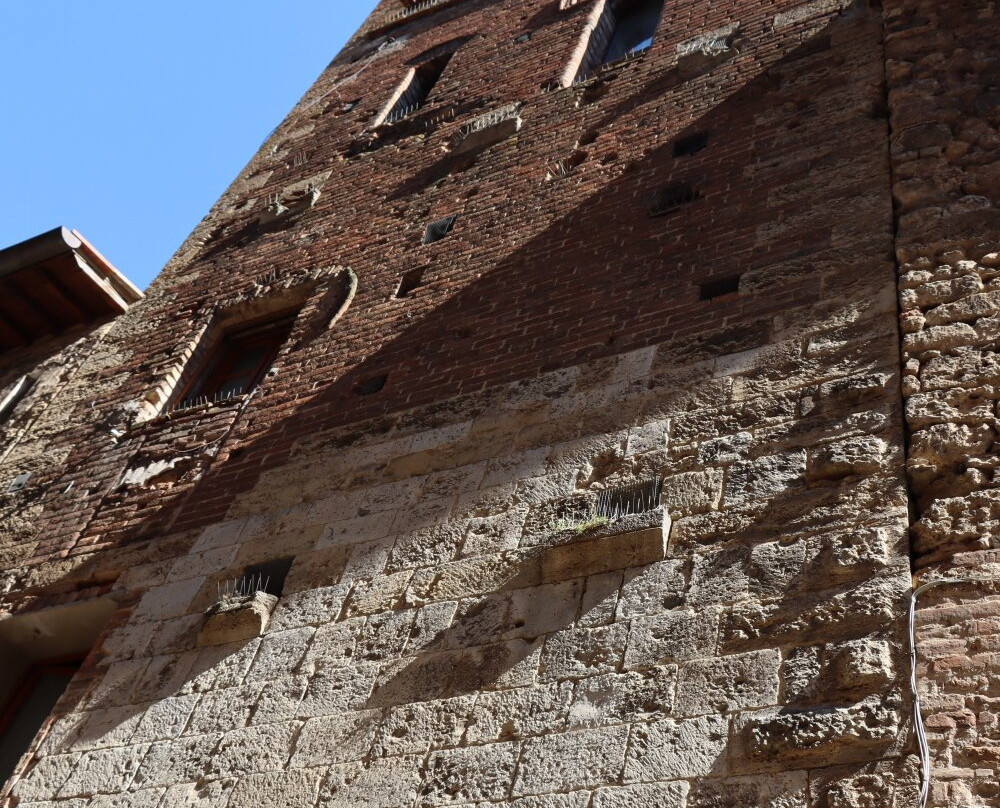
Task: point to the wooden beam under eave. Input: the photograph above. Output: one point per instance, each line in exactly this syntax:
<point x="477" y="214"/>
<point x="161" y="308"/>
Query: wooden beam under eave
<point x="114" y="301"/>
<point x="18" y="310"/>
<point x="79" y="309"/>
<point x="36" y="288"/>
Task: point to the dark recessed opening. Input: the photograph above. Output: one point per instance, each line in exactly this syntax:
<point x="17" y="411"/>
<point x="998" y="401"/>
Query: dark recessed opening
<point x="29" y="706"/>
<point x="718" y="288"/>
<point x="690" y="144"/>
<point x="373" y="385"/>
<point x="410" y="281"/>
<point x="418" y="88"/>
<point x="614" y="503"/>
<point x="237" y="363"/>
<point x="436" y="231"/>
<point x="671" y="197"/>
<point x="268" y="576"/>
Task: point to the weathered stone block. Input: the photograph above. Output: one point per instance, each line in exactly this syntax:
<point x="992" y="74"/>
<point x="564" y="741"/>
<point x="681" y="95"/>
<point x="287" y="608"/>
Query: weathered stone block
<point x="277" y="789"/>
<point x="511" y="714"/>
<point x="576" y="653"/>
<point x="335" y="739"/>
<point x="776" y="740"/>
<point x="416" y="728"/>
<point x="469" y="774"/>
<point x="693" y="492"/>
<point x="671" y="637"/>
<point x="237" y="619"/>
<point x="264" y="748"/>
<point x="615" y="552"/>
<point x="572" y="760"/>
<point x="662" y="795"/>
<point x="623" y="698"/>
<point x="753" y="482"/>
<point x="673" y="750"/>
<point x="383" y="783"/>
<point x="652" y="589"/>
<point x="739" y="682"/>
<point x="765" y="791"/>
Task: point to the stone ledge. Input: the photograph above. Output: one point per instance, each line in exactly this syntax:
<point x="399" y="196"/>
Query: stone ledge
<point x="237" y="619"/>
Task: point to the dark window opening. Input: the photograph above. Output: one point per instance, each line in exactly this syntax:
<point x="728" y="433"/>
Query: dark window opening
<point x="30" y="705"/>
<point x="268" y="576"/>
<point x="410" y="281"/>
<point x="238" y="363"/>
<point x="672" y="197"/>
<point x="724" y="286"/>
<point x="614" y="503"/>
<point x="436" y="231"/>
<point x="373" y="385"/>
<point x="418" y="90"/>
<point x="522" y="38"/>
<point x="690" y="144"/>
<point x="635" y="25"/>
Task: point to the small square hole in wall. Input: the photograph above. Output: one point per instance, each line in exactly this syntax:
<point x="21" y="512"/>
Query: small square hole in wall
<point x="710" y="290"/>
<point x="640" y="497"/>
<point x="690" y="144"/>
<point x="268" y="576"/>
<point x="436" y="231"/>
<point x="372" y="385"/>
<point x="671" y="197"/>
<point x="409" y="282"/>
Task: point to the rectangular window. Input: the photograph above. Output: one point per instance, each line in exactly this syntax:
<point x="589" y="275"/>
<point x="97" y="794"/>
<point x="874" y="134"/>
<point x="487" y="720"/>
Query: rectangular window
<point x="635" y="26"/>
<point x="238" y="362"/>
<point x="416" y="88"/>
<point x="624" y="28"/>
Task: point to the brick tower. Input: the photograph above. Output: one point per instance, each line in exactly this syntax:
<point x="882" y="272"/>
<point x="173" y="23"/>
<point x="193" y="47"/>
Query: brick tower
<point x="528" y="425"/>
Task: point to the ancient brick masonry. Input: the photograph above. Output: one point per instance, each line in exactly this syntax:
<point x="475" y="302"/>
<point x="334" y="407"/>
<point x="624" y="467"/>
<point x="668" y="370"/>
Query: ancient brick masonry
<point x="681" y="268"/>
<point x="943" y="72"/>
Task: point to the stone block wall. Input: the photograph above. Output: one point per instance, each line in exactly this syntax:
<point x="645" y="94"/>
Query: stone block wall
<point x="456" y="628"/>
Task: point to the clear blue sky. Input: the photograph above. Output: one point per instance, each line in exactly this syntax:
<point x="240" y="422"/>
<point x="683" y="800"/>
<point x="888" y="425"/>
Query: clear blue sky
<point x="126" y="120"/>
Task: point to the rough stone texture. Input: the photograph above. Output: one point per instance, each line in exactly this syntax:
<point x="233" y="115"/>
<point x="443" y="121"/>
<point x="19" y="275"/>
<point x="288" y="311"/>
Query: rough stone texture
<point x="456" y="627"/>
<point x="943" y="64"/>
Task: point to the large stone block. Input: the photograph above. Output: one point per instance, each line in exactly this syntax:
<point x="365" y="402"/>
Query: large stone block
<point x="237" y="619"/>
<point x="576" y="653"/>
<point x="671" y="637"/>
<point x="738" y="682"/>
<point x="776" y="740"/>
<point x="335" y="739"/>
<point x="662" y="795"/>
<point x="672" y="750"/>
<point x="382" y="783"/>
<point x="623" y="698"/>
<point x="416" y="728"/>
<point x="582" y="759"/>
<point x="278" y="789"/>
<point x="511" y="714"/>
<point x="469" y="774"/>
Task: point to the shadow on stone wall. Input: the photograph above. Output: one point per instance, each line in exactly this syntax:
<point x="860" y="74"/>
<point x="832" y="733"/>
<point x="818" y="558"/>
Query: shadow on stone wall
<point x="647" y="294"/>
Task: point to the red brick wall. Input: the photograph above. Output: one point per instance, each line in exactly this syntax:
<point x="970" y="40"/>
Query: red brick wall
<point x="943" y="70"/>
<point x="536" y="274"/>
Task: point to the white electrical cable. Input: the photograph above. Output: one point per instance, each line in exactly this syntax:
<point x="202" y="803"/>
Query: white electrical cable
<point x="918" y="721"/>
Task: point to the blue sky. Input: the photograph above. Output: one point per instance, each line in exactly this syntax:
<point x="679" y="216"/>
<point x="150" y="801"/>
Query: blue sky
<point x="126" y="120"/>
